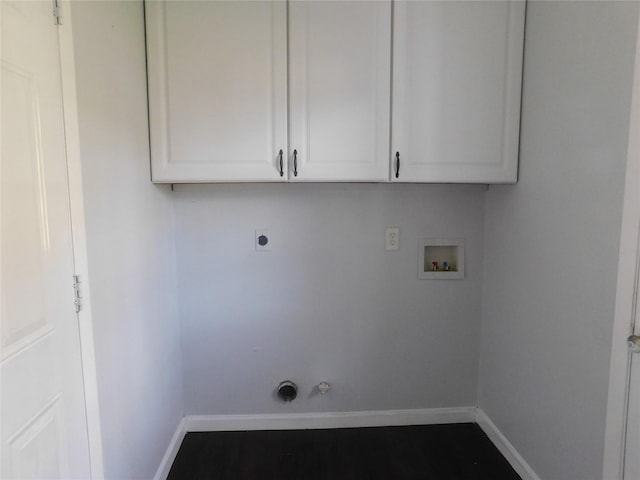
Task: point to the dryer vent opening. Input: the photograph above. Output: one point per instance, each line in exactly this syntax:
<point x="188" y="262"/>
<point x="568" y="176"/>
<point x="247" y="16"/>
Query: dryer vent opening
<point x="287" y="391"/>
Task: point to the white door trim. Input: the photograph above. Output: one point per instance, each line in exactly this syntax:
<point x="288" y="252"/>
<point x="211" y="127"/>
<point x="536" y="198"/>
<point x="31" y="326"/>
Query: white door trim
<point x="626" y="292"/>
<point x="74" y="171"/>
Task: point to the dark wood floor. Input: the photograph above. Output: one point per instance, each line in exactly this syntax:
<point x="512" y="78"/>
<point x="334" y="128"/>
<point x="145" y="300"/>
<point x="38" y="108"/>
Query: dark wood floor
<point x="457" y="452"/>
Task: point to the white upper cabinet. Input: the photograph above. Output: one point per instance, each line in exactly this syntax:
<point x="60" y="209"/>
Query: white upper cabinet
<point x="339" y="89"/>
<point x="218" y="103"/>
<point x="456" y="91"/>
<point x="217" y="90"/>
<point x="234" y="83"/>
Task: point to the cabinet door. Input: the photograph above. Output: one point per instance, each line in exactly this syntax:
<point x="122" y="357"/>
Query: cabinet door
<point x="217" y="90"/>
<point x="456" y="91"/>
<point x="339" y="74"/>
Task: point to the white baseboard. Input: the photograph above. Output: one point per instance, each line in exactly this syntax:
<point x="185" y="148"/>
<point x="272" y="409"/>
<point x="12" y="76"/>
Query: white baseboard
<point x="382" y="418"/>
<point x="172" y="451"/>
<point x="300" y="421"/>
<point x="505" y="447"/>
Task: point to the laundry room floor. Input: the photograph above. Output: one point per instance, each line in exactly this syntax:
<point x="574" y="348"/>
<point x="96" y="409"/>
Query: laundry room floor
<point x="454" y="451"/>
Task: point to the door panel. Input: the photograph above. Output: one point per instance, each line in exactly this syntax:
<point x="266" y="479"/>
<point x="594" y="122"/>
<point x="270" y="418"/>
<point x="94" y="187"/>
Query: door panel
<point x="456" y="90"/>
<point x="339" y="75"/>
<point x="217" y="90"/>
<point x="632" y="434"/>
<point x="25" y="224"/>
<point x="38" y="439"/>
<point x="43" y="424"/>
<point x="632" y="444"/>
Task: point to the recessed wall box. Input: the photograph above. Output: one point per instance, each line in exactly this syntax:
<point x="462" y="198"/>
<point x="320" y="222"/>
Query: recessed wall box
<point x="441" y="258"/>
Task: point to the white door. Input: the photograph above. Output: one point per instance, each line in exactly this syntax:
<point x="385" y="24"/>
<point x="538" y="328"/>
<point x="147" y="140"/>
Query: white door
<point x="43" y="423"/>
<point x="629" y="257"/>
<point x="217" y="90"/>
<point x="339" y="74"/>
<point x="456" y="91"/>
<point x="631" y="215"/>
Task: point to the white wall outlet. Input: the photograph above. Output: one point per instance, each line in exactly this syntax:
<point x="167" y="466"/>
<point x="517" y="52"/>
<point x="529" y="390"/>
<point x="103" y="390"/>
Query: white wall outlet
<point x="392" y="239"/>
<point x="263" y="240"/>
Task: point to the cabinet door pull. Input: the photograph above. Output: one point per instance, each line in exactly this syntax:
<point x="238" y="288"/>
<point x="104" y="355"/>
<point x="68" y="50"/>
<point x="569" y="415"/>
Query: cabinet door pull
<point x="397" y="164"/>
<point x="281" y="164"/>
<point x="295" y="163"/>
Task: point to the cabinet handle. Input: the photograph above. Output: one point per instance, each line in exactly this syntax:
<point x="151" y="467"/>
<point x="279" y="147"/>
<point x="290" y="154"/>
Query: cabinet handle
<point x="397" y="164"/>
<point x="281" y="164"/>
<point x="295" y="163"/>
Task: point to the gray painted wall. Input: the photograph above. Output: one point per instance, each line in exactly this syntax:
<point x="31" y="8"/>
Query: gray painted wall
<point x="327" y="302"/>
<point x="552" y="240"/>
<point x="131" y="254"/>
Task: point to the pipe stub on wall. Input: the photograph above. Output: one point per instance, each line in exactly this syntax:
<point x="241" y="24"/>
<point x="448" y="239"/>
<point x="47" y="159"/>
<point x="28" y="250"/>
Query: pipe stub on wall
<point x="287" y="391"/>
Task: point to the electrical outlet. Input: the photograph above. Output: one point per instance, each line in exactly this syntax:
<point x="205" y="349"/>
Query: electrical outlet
<point x="263" y="241"/>
<point x="392" y="239"/>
